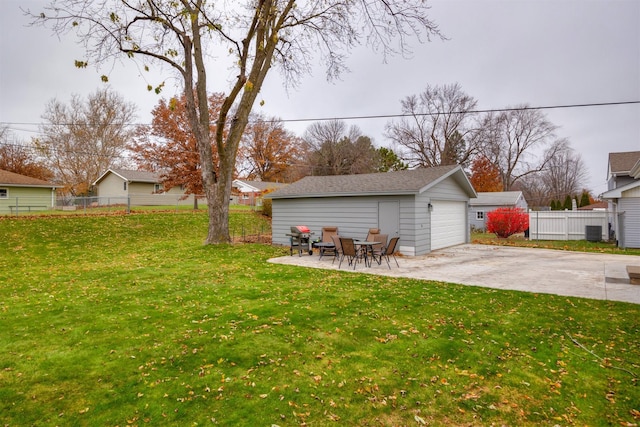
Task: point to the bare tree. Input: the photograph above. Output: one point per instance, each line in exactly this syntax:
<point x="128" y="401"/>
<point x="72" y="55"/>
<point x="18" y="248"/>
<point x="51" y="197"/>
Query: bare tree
<point x="439" y="128"/>
<point x="81" y="140"/>
<point x="514" y="139"/>
<point x="565" y="172"/>
<point x="258" y="34"/>
<point x="334" y="149"/>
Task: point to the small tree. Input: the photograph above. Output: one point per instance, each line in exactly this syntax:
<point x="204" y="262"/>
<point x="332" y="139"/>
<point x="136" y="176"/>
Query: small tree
<point x="505" y="222"/>
<point x="585" y="199"/>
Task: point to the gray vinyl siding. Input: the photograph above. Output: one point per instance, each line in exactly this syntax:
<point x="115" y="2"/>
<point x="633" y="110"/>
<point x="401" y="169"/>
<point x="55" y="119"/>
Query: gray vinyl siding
<point x="447" y="190"/>
<point x="422" y="221"/>
<point x="481" y="224"/>
<point x="631" y="230"/>
<point x="353" y="216"/>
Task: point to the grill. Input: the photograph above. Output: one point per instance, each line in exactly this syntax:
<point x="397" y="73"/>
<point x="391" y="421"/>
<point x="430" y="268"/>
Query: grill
<point x="300" y="238"/>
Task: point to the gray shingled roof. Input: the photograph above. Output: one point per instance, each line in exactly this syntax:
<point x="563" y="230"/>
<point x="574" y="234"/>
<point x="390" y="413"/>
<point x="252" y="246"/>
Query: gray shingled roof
<point x="401" y="182"/>
<point x="623" y="162"/>
<point x="15" y="179"/>
<point x="498" y="198"/>
<point x="138" y="176"/>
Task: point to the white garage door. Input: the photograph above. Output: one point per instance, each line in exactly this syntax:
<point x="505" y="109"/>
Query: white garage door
<point x="448" y="224"/>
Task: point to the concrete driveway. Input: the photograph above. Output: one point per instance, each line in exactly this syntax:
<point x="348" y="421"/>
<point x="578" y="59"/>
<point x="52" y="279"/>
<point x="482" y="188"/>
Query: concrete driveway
<point x="587" y="275"/>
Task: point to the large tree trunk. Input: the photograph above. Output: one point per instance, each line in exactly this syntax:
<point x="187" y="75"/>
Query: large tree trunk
<point x="218" y="202"/>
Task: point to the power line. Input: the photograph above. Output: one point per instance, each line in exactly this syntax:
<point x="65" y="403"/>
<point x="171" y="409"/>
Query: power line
<point x="379" y="116"/>
<point x="491" y="110"/>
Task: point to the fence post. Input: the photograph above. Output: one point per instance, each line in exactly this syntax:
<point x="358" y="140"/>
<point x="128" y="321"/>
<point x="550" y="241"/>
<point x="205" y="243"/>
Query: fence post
<point x="128" y="203"/>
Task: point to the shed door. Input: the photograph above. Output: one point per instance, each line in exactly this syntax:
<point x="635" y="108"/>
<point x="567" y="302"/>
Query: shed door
<point x="448" y="223"/>
<point x="389" y="218"/>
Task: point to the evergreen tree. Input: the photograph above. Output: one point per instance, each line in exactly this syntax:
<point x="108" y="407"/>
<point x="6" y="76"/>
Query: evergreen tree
<point x="567" y="203"/>
<point x="585" y="200"/>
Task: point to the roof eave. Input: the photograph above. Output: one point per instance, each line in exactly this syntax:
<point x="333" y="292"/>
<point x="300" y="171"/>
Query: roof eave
<point x="53" y="186"/>
<point x="635" y="170"/>
<point x="341" y="194"/>
<point x="616" y="193"/>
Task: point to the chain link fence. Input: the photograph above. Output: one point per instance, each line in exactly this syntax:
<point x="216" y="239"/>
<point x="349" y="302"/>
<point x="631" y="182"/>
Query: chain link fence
<point x="242" y="228"/>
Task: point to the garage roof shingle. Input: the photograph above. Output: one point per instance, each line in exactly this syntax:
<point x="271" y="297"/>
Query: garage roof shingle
<point x="398" y="182"/>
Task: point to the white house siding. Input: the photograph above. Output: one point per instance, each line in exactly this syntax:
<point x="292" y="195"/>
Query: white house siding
<point x="629" y="208"/>
<point x="111" y="186"/>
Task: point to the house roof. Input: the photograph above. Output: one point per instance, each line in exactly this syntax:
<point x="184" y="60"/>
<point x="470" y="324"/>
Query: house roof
<point x="259" y="186"/>
<point x="11" y="179"/>
<point x="497" y="198"/>
<point x="413" y="181"/>
<point x="594" y="206"/>
<point x="132" y="176"/>
<point x="616" y="193"/>
<point x="622" y="163"/>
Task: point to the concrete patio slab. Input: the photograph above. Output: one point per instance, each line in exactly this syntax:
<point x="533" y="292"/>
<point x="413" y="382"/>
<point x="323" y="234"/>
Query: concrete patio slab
<point x="587" y="275"/>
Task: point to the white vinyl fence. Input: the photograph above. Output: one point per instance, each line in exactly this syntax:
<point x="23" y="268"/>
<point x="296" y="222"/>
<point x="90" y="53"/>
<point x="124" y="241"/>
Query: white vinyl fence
<point x="567" y="225"/>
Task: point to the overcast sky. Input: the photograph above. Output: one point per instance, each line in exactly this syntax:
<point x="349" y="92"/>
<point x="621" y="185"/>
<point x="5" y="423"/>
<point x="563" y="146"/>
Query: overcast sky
<point x="503" y="53"/>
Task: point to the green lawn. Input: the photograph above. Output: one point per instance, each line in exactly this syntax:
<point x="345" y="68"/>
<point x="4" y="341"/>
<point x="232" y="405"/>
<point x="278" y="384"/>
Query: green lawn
<point x="565" y="245"/>
<point x="130" y="320"/>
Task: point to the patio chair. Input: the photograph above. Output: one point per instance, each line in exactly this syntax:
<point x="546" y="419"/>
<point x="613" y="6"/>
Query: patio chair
<point x="327" y="237"/>
<point x="390" y="250"/>
<point x="378" y="250"/>
<point x="349" y="251"/>
<point x="372" y="233"/>
<point x="338" y="247"/>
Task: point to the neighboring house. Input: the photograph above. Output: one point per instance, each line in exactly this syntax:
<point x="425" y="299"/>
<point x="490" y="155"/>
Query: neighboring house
<point x="251" y="192"/>
<point x="20" y="193"/>
<point x="120" y="186"/>
<point x="597" y="206"/>
<point x="427" y="207"/>
<point x="624" y="197"/>
<point x="490" y="201"/>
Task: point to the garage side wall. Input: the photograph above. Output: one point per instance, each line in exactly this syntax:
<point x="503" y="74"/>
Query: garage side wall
<point x="352" y="215"/>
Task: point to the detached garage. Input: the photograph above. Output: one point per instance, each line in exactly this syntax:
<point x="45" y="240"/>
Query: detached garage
<point x="426" y="207"/>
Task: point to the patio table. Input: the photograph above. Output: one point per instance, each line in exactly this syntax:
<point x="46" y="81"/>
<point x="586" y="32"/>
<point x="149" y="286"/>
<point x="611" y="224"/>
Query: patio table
<point x="367" y="246"/>
<point x="323" y="246"/>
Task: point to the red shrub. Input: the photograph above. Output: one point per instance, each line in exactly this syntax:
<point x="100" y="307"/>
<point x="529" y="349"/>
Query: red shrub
<point x="507" y="221"/>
